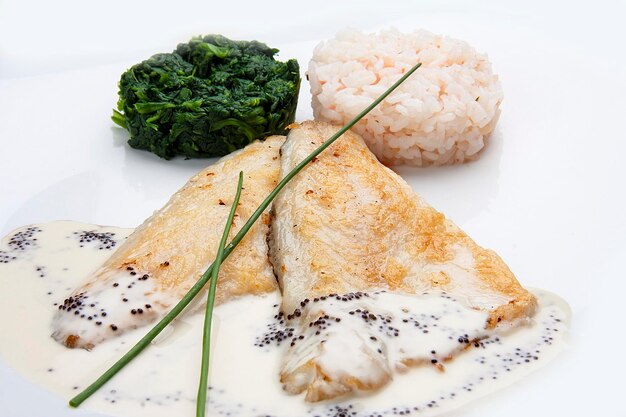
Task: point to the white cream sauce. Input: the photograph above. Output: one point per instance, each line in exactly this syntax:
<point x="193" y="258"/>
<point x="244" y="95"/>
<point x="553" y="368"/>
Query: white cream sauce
<point x="41" y="264"/>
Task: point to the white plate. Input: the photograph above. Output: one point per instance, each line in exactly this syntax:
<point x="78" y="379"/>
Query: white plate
<point x="547" y="194"/>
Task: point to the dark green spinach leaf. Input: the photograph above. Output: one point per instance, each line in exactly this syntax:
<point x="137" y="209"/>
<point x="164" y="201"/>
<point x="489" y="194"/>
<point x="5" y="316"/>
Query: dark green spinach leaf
<point x="208" y="98"/>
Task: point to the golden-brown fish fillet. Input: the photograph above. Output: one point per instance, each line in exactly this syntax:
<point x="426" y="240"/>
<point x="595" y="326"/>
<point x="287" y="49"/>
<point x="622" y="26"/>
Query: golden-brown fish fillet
<point x="348" y="233"/>
<point x="166" y="255"/>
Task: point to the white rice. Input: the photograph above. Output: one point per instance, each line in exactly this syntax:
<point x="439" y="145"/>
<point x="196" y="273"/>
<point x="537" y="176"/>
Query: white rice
<point x="441" y="115"/>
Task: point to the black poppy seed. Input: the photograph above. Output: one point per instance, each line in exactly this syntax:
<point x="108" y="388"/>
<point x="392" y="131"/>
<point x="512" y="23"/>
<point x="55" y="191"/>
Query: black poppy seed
<point x="116" y="284"/>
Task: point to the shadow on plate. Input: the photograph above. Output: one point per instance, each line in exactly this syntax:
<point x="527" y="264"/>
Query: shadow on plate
<point x="75" y="197"/>
<point x="463" y="191"/>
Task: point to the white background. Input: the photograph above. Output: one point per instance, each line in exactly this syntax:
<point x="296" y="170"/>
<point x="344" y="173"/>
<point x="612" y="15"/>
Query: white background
<point x="547" y="194"/>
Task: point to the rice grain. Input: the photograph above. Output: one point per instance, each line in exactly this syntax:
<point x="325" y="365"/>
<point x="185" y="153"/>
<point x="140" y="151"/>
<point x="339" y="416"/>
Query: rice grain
<point x="442" y="115"/>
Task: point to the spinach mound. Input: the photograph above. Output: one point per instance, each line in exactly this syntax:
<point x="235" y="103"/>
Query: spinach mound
<point x="208" y="98"/>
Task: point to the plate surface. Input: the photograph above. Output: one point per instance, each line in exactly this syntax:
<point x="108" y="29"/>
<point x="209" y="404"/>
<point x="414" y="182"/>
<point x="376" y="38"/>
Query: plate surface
<point x="547" y="193"/>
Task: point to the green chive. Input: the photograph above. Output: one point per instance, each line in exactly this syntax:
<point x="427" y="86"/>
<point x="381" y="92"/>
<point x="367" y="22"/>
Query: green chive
<point x="208" y="315"/>
<point x="187" y="298"/>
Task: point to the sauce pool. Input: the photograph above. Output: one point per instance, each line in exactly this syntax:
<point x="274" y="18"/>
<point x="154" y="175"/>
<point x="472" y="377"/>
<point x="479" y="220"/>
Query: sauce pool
<point x="41" y="264"/>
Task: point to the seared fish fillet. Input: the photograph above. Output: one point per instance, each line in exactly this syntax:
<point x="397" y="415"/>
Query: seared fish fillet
<point x="349" y="241"/>
<point x="166" y="255"/>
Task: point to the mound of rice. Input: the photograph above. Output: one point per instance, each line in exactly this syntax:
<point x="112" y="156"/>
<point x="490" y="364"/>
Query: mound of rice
<point x="441" y="115"/>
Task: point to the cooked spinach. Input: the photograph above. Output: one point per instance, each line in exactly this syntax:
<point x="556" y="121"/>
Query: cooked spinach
<point x="209" y="97"/>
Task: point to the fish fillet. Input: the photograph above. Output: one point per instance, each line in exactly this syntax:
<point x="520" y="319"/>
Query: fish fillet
<point x="167" y="254"/>
<point x="355" y="250"/>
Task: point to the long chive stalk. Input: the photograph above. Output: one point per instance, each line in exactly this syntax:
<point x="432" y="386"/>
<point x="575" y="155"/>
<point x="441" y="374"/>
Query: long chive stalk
<point x="187" y="298"/>
<point x="208" y="315"/>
